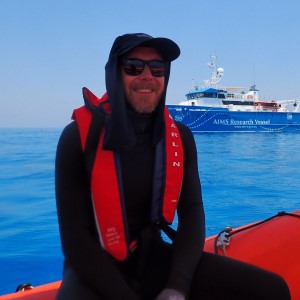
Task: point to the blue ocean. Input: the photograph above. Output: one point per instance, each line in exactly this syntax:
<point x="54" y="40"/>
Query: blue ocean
<point x="245" y="177"/>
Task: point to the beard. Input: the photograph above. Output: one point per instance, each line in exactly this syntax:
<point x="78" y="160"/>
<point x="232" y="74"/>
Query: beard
<point x="144" y="97"/>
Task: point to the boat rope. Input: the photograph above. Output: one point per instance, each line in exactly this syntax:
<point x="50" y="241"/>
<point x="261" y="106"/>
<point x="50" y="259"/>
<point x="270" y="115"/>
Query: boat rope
<point x="24" y="287"/>
<point x="222" y="240"/>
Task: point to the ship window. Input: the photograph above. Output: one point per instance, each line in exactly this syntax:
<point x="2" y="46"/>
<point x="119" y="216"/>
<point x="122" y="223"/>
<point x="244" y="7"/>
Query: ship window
<point x="200" y="95"/>
<point x="189" y="97"/>
<point x="210" y="95"/>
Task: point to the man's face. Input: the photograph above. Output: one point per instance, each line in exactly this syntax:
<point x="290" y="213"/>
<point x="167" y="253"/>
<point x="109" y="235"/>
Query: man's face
<point x="143" y="91"/>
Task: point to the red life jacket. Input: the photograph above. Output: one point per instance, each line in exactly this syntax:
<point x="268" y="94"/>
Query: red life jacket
<point x="106" y="194"/>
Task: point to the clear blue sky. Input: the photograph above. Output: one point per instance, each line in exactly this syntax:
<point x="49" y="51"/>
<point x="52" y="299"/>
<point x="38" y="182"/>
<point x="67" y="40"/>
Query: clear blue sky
<point x="50" y="49"/>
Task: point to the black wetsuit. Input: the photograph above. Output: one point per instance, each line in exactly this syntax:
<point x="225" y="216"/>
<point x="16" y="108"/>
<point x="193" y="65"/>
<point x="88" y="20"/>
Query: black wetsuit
<point x="90" y="273"/>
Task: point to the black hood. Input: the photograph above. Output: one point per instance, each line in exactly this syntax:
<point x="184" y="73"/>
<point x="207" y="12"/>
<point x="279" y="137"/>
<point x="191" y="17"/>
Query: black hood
<point x="119" y="131"/>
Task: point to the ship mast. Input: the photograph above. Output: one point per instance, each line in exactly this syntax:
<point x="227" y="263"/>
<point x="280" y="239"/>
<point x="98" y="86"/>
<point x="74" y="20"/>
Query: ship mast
<point x="216" y="73"/>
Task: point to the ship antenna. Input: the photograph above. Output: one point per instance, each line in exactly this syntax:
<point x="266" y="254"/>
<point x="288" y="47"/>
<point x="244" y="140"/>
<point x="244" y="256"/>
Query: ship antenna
<point x="254" y="74"/>
<point x="216" y="73"/>
<point x="194" y="85"/>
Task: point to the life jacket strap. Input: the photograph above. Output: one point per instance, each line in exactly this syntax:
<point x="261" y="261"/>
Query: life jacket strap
<point x="168" y="230"/>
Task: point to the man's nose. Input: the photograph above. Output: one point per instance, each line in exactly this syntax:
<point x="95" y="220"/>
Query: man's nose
<point x="146" y="72"/>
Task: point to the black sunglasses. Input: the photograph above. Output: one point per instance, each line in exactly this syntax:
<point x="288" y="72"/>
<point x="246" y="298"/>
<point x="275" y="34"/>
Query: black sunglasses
<point x="135" y="67"/>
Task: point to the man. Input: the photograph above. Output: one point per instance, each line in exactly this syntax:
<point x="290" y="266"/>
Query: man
<point x="122" y="169"/>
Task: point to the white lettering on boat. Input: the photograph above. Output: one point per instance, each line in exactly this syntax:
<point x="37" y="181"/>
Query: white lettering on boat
<point x="241" y="122"/>
<point x="221" y="121"/>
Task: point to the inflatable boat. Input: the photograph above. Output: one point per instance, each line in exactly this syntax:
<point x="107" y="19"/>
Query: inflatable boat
<point x="272" y="244"/>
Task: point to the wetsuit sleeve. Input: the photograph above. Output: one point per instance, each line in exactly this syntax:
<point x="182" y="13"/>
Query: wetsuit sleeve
<point x="189" y="241"/>
<point x="76" y="223"/>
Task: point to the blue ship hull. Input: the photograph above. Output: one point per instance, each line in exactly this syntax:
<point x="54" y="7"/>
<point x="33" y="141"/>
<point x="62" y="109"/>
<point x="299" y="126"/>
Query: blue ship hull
<point x="208" y="119"/>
